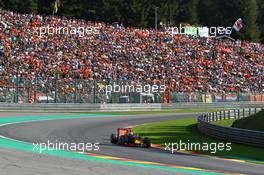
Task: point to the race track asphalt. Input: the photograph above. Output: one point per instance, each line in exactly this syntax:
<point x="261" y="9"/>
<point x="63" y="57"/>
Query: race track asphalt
<point x="98" y="129"/>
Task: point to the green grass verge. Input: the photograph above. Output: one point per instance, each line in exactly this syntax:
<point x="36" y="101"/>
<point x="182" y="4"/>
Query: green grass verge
<point x="227" y="123"/>
<point x="254" y="122"/>
<point x="186" y="130"/>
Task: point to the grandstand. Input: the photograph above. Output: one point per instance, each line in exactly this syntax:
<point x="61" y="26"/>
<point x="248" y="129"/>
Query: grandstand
<point x="72" y="67"/>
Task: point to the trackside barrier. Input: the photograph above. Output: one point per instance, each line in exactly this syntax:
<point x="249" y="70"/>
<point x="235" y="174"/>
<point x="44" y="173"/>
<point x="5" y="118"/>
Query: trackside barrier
<point x="84" y="107"/>
<point x="236" y="135"/>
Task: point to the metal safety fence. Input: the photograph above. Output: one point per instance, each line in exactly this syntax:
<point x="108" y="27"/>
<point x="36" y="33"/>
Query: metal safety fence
<point x="206" y="125"/>
<point x="66" y="90"/>
<point x="84" y="107"/>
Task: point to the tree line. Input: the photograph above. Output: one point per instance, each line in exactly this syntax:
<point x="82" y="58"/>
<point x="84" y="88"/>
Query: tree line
<point x="141" y="13"/>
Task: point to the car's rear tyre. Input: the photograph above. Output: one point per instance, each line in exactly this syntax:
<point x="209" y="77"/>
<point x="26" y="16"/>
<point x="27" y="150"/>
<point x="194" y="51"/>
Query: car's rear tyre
<point x="146" y="142"/>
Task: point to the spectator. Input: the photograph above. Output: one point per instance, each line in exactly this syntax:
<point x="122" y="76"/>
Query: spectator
<point x="116" y="53"/>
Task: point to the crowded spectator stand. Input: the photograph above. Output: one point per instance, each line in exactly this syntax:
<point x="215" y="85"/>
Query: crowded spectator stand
<point x="71" y="66"/>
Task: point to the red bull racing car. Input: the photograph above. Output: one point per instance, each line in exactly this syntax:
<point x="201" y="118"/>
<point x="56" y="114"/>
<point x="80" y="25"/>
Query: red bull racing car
<point x="125" y="137"/>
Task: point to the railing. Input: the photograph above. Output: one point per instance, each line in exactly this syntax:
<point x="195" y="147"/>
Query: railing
<point x="206" y="125"/>
<point x="84" y="107"/>
<point x="55" y="90"/>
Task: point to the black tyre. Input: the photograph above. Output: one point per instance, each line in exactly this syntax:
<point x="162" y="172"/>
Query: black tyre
<point x="122" y="141"/>
<point x="146" y="142"/>
<point x="113" y="138"/>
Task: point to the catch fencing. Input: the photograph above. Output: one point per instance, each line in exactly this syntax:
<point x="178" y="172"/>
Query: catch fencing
<point x="249" y="137"/>
<point x="63" y="90"/>
<point x="84" y="107"/>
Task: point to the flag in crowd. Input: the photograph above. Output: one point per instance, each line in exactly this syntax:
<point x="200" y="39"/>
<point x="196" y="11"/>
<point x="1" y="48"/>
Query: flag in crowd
<point x="238" y="25"/>
<point x="56" y="6"/>
<point x="1" y="46"/>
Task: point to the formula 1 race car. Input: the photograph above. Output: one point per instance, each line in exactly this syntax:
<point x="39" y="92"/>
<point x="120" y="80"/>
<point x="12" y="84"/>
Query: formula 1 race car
<point x="125" y="137"/>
